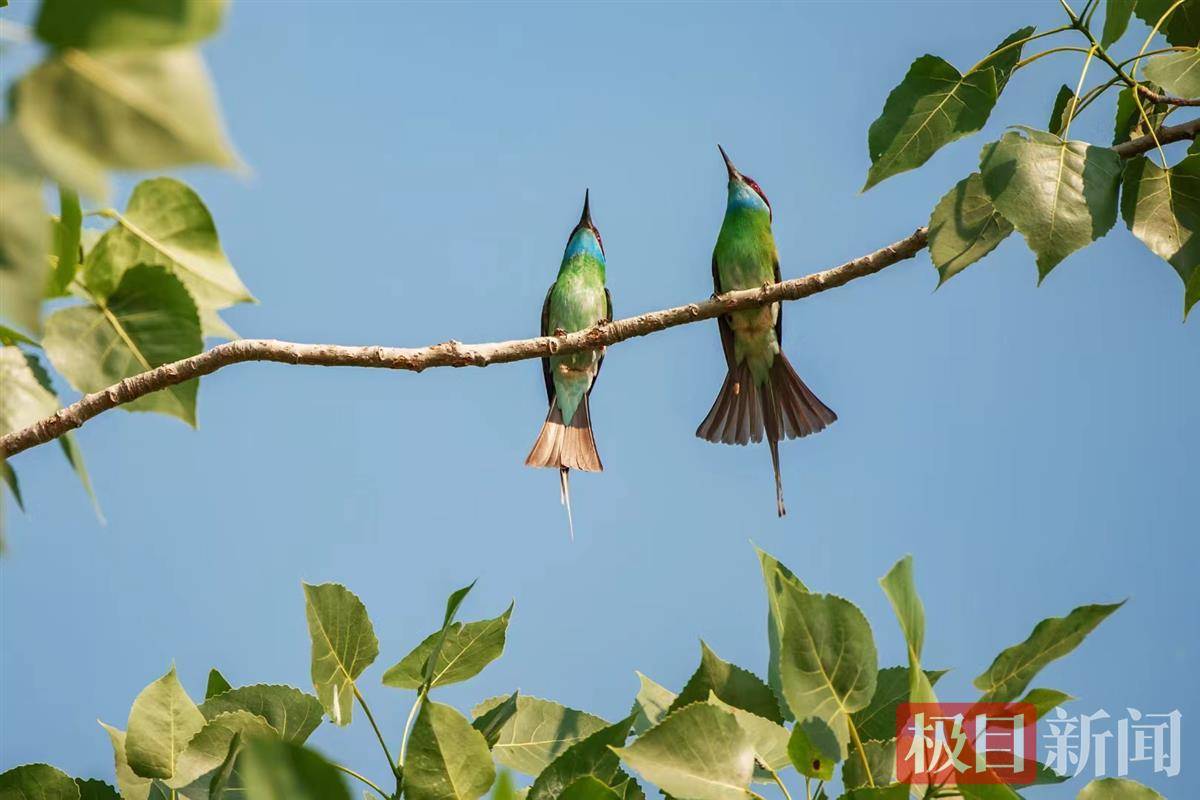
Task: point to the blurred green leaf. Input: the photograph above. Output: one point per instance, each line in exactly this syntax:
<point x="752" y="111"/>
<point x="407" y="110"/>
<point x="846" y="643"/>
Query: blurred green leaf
<point x="291" y="712"/>
<point x="591" y="757"/>
<point x="24" y="248"/>
<point x="901" y="590"/>
<point x="699" y="752"/>
<point x="71" y="167"/>
<point x="1051" y="639"/>
<point x="209" y="747"/>
<point x="538" y="732"/>
<point x="651" y="704"/>
<point x="343" y="645"/>
<point x="148" y="321"/>
<point x="279" y="770"/>
<point x="1177" y="73"/>
<point x="1116" y="20"/>
<point x="1162" y="208"/>
<point x="447" y="758"/>
<point x="731" y="683"/>
<point x="1117" y="789"/>
<point x="162" y="721"/>
<point x="132" y="785"/>
<point x="878" y="719"/>
<point x="964" y="227"/>
<point x="881" y="760"/>
<point x="779" y="581"/>
<point x="216" y="684"/>
<point x="223" y="776"/>
<point x="1060" y="195"/>
<point x="588" y="788"/>
<point x="503" y="788"/>
<point x="1181" y="29"/>
<point x="37" y="782"/>
<point x="93" y="25"/>
<point x="67" y="232"/>
<point x="93" y="789"/>
<point x="25" y="400"/>
<point x="465" y="651"/>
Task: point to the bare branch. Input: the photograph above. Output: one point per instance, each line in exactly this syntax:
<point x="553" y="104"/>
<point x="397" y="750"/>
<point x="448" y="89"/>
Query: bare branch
<point x="457" y="354"/>
<point x="1167" y="99"/>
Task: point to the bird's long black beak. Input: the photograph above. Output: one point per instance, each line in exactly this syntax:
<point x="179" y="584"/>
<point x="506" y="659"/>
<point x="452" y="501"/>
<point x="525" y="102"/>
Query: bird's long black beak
<point x="733" y="173"/>
<point x="585" y="219"/>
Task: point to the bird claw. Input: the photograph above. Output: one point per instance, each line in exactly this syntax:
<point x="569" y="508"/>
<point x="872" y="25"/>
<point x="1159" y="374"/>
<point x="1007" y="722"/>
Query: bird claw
<point x="603" y="322"/>
<point x="559" y="333"/>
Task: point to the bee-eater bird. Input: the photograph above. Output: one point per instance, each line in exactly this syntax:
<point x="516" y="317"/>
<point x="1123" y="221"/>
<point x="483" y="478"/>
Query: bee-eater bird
<point x="577" y="300"/>
<point x="761" y="390"/>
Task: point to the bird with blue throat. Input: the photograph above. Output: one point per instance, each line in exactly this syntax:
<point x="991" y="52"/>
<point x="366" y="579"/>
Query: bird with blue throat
<point x="761" y="393"/>
<point x="576" y="301"/>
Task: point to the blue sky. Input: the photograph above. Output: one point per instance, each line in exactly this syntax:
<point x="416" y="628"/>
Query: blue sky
<point x="416" y="170"/>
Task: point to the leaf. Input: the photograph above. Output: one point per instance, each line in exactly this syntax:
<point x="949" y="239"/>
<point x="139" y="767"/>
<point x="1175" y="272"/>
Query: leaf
<point x="651" y="704"/>
<point x="932" y="106"/>
<point x="452" y="603"/>
<point x="343" y="645"/>
<point x="24" y="400"/>
<point x="1178" y="73"/>
<point x="769" y="738"/>
<point x="901" y="590"/>
<point x="1051" y="639"/>
<point x="132" y="785"/>
<point x="216" y="685"/>
<point x="167" y="224"/>
<point x="897" y="791"/>
<point x="1162" y="208"/>
<point x="1064" y="107"/>
<point x="67" y="232"/>
<point x="223" y="775"/>
<point x="466" y="650"/>
<point x="881" y="759"/>
<point x="1181" y="29"/>
<point x="588" y="788"/>
<point x="291" y="712"/>
<point x="1007" y="60"/>
<point x="92" y="25"/>
<point x="447" y="758"/>
<point x="538" y="732"/>
<point x="14" y="486"/>
<point x="492" y="722"/>
<point x="1116" y="20"/>
<point x="503" y="788"/>
<point x="278" y="770"/>
<point x="828" y="664"/>
<point x="699" y="752"/>
<point x="731" y="683"/>
<point x="878" y="719"/>
<point x="1045" y="700"/>
<point x="37" y="782"/>
<point x="1117" y="789"/>
<point x="813" y="750"/>
<point x="1129" y="123"/>
<point x="589" y="758"/>
<point x="1060" y="195"/>
<point x="93" y="789"/>
<point x="1191" y="294"/>
<point x="133" y="110"/>
<point x="964" y="228"/>
<point x="208" y="749"/>
<point x="24" y="244"/>
<point x="779" y="581"/>
<point x="162" y="721"/>
<point x="148" y="321"/>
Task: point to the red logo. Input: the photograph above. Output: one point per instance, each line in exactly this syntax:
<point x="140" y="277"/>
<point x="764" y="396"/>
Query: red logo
<point x="952" y="743"/>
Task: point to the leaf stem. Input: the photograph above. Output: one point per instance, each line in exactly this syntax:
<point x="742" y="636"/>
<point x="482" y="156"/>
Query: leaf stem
<point x="862" y="752"/>
<point x="362" y="778"/>
<point x="1078" y="89"/>
<point x="412" y="715"/>
<point x="807" y="788"/>
<point x="1027" y="61"/>
<point x="1018" y="43"/>
<point x="775" y="777"/>
<point x="378" y="735"/>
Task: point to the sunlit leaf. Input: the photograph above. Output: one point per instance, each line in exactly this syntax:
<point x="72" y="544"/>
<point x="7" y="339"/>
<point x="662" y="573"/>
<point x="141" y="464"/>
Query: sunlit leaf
<point x="964" y="227"/>
<point x="67" y="232"/>
<point x="291" y="712"/>
<point x="162" y="721"/>
<point x="592" y="757"/>
<point x="37" y="782"/>
<point x="1162" y="208"/>
<point x="207" y="750"/>
<point x="1116" y="20"/>
<point x="813" y="749"/>
<point x="447" y="758"/>
<point x="588" y="788"/>
<point x="1004" y="63"/>
<point x="731" y="683"/>
<point x="779" y="581"/>
<point x="1181" y="29"/>
<point x="343" y="645"/>
<point x="89" y="24"/>
<point x="901" y="590"/>
<point x="132" y="785"/>
<point x="24" y="246"/>
<point x="651" y="704"/>
<point x="1045" y="700"/>
<point x="1117" y="789"/>
<point x="1177" y="73"/>
<point x="467" y="649"/>
<point x="538" y="732"/>
<point x="878" y="719"/>
<point x="880" y="760"/>
<point x="279" y="770"/>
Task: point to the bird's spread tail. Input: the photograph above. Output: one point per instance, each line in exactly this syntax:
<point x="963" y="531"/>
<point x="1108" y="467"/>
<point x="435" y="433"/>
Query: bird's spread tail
<point x="782" y="406"/>
<point x="566" y="447"/>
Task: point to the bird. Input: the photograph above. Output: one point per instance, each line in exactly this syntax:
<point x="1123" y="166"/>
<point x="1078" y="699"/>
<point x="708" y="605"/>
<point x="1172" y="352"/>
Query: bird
<point x="577" y="300"/>
<point x="761" y="392"/>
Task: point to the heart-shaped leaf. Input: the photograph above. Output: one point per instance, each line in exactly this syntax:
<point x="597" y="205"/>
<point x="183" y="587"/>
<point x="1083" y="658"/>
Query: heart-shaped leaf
<point x="24" y="245"/>
<point x="208" y="749"/>
<point x="1177" y="73"/>
<point x="731" y="683"/>
<point x="466" y="650"/>
<point x="161" y="723"/>
<point x="291" y="712"/>
<point x="447" y="758"/>
<point x="965" y="227"/>
<point x="343" y="645"/>
<point x="538" y="732"/>
<point x="40" y="781"/>
<point x="591" y="758"/>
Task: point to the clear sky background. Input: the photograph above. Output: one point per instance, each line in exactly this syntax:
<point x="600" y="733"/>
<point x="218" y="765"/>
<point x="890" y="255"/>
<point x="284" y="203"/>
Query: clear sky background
<point x="416" y="172"/>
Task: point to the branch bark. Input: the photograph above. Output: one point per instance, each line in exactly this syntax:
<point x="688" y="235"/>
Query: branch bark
<point x="1167" y="99"/>
<point x="457" y="354"/>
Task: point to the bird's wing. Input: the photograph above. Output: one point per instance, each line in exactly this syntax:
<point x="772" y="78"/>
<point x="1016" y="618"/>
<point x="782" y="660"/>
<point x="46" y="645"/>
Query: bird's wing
<point x="545" y="331"/>
<point x="608" y="316"/>
<point x="779" y="316"/>
<point x="722" y="322"/>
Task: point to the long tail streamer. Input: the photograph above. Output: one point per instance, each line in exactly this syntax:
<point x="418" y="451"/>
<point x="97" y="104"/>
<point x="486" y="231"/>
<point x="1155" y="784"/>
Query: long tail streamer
<point x="564" y="496"/>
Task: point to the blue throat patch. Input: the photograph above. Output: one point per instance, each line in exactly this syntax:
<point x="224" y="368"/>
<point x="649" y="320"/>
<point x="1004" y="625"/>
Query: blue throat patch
<point x="742" y="196"/>
<point x="583" y="242"/>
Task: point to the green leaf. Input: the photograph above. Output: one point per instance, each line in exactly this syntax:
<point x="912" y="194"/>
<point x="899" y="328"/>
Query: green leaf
<point x="503" y="788"/>
<point x="651" y="704"/>
<point x="466" y="650"/>
<point x="1129" y="123"/>
<point x="133" y="110"/>
<point x="769" y="738"/>
<point x="278" y="770"/>
<point x="1181" y="29"/>
<point x="878" y="719"/>
<point x="452" y="603"/>
<point x="492" y="722"/>
<point x="216" y="685"/>
<point x="1064" y="107"/>
<point x="14" y="486"/>
<point x="71" y="168"/>
<point x="986" y="791"/>
<point x="1116" y="20"/>
<point x="1006" y="62"/>
<point x="1051" y="639"/>
<point x="148" y="321"/>
<point x="67" y="232"/>
<point x="132" y="785"/>
<point x="897" y="791"/>
<point x="1162" y="208"/>
<point x="447" y="758"/>
<point x="901" y="590"/>
<point x="731" y="683"/>
<point x="699" y="752"/>
<point x="92" y="25"/>
<point x="37" y="782"/>
<point x="779" y="581"/>
<point x="590" y="758"/>
<point x="162" y="721"/>
<point x="10" y="337"/>
<point x="588" y="788"/>
<point x="881" y="759"/>
<point x="223" y="776"/>
<point x="291" y="712"/>
<point x="1178" y="73"/>
<point x="932" y="106"/>
<point x="828" y="663"/>
<point x="1117" y="789"/>
<point x="813" y="750"/>
<point x="167" y="224"/>
<point x="1045" y="700"/>
<point x="24" y="400"/>
<point x="93" y="789"/>
<point x="208" y="749"/>
<point x="343" y="645"/>
<point x="538" y="732"/>
<point x="964" y="227"/>
<point x="1191" y="294"/>
<point x="1060" y="195"/>
<point x="24" y="245"/>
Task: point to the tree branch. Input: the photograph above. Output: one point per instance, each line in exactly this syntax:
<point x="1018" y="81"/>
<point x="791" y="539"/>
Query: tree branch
<point x="457" y="354"/>
<point x="1167" y="99"/>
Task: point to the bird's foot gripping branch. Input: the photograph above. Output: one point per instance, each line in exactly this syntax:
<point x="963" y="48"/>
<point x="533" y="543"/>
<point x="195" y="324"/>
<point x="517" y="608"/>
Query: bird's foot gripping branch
<point x="825" y="715"/>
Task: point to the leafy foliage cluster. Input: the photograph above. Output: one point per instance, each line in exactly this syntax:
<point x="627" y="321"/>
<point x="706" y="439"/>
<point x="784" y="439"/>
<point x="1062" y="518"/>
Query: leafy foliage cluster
<point x="723" y="731"/>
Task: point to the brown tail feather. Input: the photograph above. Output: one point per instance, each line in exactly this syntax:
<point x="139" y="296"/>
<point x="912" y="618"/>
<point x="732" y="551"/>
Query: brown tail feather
<point x="566" y="446"/>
